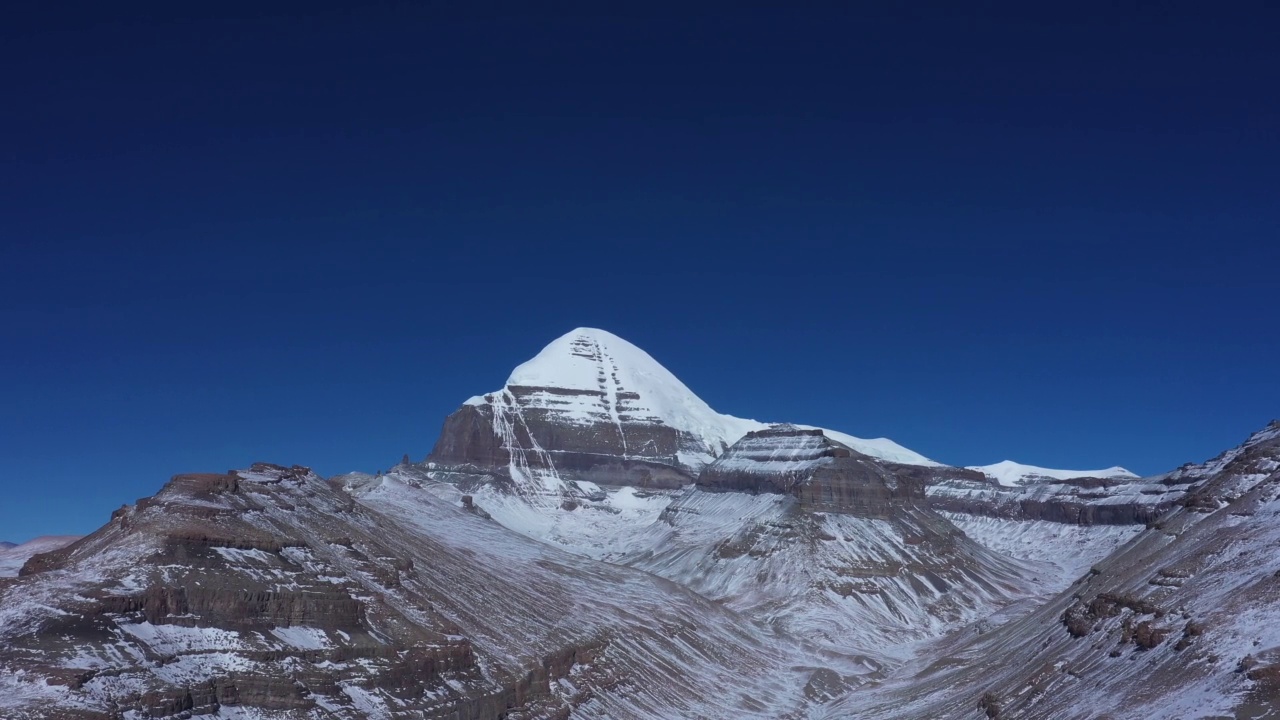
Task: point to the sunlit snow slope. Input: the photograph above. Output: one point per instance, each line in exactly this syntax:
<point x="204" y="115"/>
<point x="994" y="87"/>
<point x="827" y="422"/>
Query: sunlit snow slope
<point x="1012" y="474"/>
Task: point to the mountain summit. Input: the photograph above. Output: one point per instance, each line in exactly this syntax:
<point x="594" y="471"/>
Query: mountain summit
<point x="592" y="407"/>
<point x="590" y="377"/>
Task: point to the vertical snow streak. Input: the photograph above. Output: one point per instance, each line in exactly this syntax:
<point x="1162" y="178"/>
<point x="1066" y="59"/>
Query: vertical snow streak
<point x="609" y="385"/>
<point x="529" y="481"/>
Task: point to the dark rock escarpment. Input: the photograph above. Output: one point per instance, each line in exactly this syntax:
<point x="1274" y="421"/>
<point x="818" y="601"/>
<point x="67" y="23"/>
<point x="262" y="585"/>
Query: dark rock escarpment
<point x="470" y="450"/>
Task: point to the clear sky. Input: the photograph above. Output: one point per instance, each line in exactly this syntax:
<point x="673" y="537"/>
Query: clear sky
<point x="305" y="235"/>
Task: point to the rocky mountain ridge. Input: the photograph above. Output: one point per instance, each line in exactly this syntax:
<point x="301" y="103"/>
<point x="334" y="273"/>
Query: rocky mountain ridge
<point x="594" y="541"/>
<point x="592" y="409"/>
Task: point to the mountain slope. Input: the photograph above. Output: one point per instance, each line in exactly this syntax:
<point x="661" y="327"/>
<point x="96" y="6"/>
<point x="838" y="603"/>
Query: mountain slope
<point x="593" y="541"/>
<point x="795" y="529"/>
<point x="272" y="593"/>
<point x="852" y="554"/>
<point x="1180" y="622"/>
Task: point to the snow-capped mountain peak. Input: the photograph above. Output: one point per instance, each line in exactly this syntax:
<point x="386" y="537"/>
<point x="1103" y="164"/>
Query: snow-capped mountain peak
<point x="591" y="378"/>
<point x="1013" y="474"/>
<point x="615" y="381"/>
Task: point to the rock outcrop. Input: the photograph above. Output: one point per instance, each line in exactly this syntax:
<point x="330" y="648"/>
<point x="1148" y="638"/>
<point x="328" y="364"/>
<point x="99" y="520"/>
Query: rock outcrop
<point x="823" y="474"/>
<point x="1077" y="501"/>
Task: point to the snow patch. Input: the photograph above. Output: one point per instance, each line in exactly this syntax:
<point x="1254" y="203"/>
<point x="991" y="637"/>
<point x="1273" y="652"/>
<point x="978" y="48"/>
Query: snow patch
<point x="13" y="558"/>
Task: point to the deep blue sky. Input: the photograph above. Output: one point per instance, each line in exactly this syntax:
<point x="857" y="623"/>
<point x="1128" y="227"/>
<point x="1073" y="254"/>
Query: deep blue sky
<point x="305" y="235"/>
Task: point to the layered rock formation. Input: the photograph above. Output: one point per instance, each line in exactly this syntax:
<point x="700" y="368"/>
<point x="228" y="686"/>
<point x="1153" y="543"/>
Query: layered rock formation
<point x="796" y="528"/>
<point x="1082" y="500"/>
<point x="825" y="475"/>
<point x="546" y="456"/>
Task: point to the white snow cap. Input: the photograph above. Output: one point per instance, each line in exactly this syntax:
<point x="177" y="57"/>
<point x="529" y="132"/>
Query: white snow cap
<point x="570" y="363"/>
<point x="590" y="359"/>
<point x="1012" y="474"/>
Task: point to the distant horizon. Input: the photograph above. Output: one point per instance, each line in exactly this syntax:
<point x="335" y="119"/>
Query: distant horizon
<point x="305" y="234"/>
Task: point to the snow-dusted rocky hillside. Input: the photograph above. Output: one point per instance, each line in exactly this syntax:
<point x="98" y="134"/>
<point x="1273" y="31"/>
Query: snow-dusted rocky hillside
<point x="594" y="541"/>
<point x="1180" y="622"/>
<point x="595" y="447"/>
<point x="591" y="413"/>
<point x="269" y="593"/>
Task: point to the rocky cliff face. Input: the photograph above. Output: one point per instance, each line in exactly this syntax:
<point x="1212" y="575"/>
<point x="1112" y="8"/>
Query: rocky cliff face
<point x="793" y="528"/>
<point x="592" y="409"/>
<point x="545" y="456"/>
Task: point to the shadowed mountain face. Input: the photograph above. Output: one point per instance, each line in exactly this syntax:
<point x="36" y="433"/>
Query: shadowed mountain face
<point x="593" y="541"/>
